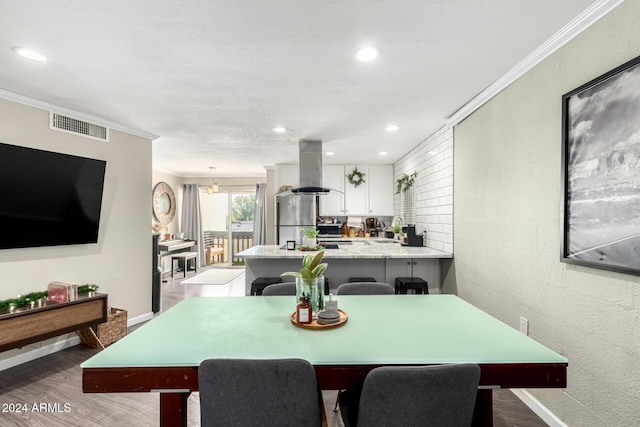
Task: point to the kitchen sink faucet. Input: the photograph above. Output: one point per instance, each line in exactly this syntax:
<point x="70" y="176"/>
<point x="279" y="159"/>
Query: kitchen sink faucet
<point x="399" y="218"/>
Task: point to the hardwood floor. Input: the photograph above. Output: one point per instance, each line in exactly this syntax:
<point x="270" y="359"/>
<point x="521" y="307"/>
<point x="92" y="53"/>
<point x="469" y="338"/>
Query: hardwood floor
<point x="48" y="391"/>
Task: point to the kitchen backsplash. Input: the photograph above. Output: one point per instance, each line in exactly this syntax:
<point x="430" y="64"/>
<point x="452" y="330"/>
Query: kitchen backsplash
<point x="386" y="220"/>
<point x="433" y="188"/>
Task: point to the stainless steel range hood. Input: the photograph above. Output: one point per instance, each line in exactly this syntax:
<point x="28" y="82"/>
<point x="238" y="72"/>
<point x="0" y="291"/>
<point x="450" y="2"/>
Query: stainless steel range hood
<point x="310" y="168"/>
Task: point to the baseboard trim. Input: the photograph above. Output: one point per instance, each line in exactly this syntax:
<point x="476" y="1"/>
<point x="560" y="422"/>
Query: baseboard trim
<point x="48" y="349"/>
<point x="540" y="410"/>
<point x="139" y="319"/>
<point x="39" y="352"/>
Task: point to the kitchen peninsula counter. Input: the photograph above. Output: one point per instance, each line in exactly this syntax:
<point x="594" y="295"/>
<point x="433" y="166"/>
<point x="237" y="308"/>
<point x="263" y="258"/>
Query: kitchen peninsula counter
<point x="357" y="249"/>
<point x="382" y="259"/>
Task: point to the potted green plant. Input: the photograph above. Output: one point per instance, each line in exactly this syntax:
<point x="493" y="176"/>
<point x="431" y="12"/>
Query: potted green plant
<point x="309" y="237"/>
<point x="396" y="227"/>
<point x="405" y="183"/>
<point x="310" y="280"/>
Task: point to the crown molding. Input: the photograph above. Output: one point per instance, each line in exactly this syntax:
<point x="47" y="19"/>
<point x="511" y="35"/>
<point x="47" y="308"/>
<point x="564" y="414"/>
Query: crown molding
<point x="36" y="103"/>
<point x="580" y="23"/>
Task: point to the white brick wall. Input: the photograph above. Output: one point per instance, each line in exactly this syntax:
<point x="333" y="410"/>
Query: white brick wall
<point x="433" y="161"/>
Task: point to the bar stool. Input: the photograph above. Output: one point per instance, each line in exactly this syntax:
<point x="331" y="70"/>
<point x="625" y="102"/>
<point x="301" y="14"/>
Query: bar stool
<point x="259" y="283"/>
<point x="403" y="284"/>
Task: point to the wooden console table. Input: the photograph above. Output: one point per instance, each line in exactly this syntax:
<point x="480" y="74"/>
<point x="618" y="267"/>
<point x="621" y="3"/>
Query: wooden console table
<point x="28" y="325"/>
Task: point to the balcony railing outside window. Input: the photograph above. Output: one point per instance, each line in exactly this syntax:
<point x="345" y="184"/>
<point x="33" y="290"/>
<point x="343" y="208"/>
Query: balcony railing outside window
<point x="241" y="240"/>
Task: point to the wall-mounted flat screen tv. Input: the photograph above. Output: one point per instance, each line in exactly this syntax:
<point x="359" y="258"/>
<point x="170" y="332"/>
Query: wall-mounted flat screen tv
<point x="47" y="198"/>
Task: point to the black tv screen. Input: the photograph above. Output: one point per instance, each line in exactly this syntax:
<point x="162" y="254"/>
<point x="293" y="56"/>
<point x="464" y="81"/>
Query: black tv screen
<point x="47" y="198"/>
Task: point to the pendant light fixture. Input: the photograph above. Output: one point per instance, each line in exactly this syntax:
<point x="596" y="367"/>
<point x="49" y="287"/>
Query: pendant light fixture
<point x="213" y="185"/>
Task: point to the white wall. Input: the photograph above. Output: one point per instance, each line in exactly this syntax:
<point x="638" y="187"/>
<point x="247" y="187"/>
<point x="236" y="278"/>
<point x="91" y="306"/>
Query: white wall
<point x="433" y="161"/>
<point x="120" y="263"/>
<point x="507" y="232"/>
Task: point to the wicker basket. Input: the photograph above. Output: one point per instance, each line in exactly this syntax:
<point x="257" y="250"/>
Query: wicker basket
<point x="109" y="332"/>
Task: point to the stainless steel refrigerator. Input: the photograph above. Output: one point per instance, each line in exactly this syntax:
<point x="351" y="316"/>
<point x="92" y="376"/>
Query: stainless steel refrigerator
<point x="294" y="212"/>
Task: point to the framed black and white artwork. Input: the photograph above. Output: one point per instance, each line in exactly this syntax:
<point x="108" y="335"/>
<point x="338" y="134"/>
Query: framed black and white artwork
<point x="601" y="172"/>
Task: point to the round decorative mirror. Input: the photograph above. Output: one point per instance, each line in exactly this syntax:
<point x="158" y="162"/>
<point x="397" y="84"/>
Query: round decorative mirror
<point x="164" y="203"/>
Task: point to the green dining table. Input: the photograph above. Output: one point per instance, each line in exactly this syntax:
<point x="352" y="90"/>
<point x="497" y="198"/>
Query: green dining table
<point x="382" y="330"/>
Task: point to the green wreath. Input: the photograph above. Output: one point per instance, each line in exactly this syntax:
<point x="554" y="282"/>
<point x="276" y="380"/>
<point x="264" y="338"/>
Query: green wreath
<point x="356" y="177"/>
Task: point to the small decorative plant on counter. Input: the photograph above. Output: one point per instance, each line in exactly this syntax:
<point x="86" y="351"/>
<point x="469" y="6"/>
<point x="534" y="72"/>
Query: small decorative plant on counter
<point x="310" y="281"/>
<point x="405" y="183"/>
<point x="309" y="238"/>
<point x="167" y="235"/>
<point x="396" y="227"/>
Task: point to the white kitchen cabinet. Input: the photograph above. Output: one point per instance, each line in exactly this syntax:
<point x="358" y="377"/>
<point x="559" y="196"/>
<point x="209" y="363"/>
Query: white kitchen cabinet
<point x="374" y="197"/>
<point x="333" y="177"/>
<point x="287" y="175"/>
<point x="425" y="268"/>
<point x="380" y="190"/>
<point x="356" y="199"/>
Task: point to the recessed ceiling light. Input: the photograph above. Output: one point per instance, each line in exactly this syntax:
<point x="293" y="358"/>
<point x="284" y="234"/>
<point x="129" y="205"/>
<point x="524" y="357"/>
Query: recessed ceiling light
<point x="367" y="53"/>
<point x="391" y="128"/>
<point x="279" y="129"/>
<point x="383" y="153"/>
<point x="30" y="54"/>
<point x="329" y="153"/>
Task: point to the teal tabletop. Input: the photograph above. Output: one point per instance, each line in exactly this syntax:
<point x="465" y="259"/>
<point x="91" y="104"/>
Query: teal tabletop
<point x="381" y="330"/>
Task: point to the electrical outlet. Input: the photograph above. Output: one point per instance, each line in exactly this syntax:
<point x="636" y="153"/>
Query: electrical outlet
<point x="524" y="326"/>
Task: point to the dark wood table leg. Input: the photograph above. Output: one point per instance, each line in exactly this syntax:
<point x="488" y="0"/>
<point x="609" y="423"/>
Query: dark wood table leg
<point x="483" y="411"/>
<point x="173" y="409"/>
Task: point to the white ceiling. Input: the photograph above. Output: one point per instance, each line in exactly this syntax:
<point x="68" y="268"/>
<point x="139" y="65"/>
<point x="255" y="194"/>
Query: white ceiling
<point x="212" y="78"/>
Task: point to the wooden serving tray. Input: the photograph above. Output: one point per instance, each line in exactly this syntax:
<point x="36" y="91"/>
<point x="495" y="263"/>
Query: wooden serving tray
<point x="315" y="325"/>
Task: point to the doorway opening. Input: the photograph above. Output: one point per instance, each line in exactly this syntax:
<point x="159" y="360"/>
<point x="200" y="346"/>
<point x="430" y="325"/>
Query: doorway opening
<point x="228" y="219"/>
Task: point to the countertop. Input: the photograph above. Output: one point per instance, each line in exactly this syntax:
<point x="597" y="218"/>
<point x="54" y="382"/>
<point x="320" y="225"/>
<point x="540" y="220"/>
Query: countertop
<point x="359" y="248"/>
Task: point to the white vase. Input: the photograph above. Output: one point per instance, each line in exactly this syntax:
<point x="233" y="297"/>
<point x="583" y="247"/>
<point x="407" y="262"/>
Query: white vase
<point x="309" y="242"/>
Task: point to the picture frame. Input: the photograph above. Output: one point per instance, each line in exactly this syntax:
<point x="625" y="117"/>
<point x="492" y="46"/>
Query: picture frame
<point x="601" y="172"/>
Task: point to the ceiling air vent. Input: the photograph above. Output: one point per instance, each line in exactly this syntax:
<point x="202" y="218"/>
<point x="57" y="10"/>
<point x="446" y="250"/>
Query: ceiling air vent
<point x="78" y="127"/>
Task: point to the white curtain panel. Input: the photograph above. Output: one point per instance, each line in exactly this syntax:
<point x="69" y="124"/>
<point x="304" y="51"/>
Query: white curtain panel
<point x="191" y="221"/>
<point x="260" y="216"/>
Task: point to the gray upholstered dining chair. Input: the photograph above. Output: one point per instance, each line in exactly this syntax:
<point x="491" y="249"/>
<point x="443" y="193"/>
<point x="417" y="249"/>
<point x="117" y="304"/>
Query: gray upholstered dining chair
<point x="260" y="393"/>
<point x="365" y="288"/>
<point x="439" y="395"/>
<point x="286" y="288"/>
<point x="362" y="288"/>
